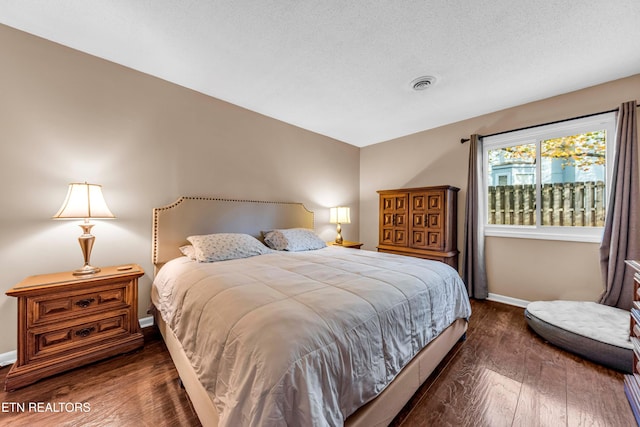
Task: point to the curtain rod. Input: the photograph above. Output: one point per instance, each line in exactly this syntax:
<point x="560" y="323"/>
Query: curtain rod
<point x="463" y="140"/>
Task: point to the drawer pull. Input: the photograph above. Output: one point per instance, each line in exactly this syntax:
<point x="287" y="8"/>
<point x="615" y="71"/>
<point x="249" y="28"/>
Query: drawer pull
<point x="84" y="303"/>
<point x="85" y="332"/>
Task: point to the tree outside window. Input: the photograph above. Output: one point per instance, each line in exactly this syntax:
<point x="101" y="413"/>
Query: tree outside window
<point x="551" y="177"/>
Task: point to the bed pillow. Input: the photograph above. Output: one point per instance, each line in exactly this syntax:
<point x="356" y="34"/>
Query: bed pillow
<point x="293" y="239"/>
<point x="189" y="251"/>
<point x="224" y="246"/>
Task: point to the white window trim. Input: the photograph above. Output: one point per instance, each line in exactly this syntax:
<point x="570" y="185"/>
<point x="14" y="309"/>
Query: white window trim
<point x="605" y="121"/>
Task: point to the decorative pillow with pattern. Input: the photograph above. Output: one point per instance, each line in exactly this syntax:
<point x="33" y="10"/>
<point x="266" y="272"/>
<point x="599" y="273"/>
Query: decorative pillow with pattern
<point x="293" y="239"/>
<point x="188" y="251"/>
<point x="224" y="246"/>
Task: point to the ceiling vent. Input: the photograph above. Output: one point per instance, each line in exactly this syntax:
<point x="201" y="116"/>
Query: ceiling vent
<point x="422" y="83"/>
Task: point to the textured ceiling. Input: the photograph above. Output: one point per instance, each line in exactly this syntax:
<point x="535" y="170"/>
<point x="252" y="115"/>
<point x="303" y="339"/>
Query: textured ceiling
<point x="343" y="68"/>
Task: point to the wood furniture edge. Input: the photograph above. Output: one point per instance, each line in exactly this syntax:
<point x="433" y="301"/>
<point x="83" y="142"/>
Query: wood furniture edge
<point x="67" y="279"/>
<point x="408" y="190"/>
<point x="347" y="244"/>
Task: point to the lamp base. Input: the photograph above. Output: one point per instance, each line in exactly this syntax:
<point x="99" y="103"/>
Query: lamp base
<point x="339" y="236"/>
<point x="87" y="269"/>
<point x="86" y="243"/>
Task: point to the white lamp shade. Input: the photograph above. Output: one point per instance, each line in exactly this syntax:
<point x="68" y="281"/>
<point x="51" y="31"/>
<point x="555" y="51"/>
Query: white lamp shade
<point x="339" y="215"/>
<point x="84" y="201"/>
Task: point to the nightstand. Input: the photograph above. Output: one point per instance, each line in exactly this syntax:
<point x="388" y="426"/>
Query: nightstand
<point x="346" y="244"/>
<point x="66" y="321"/>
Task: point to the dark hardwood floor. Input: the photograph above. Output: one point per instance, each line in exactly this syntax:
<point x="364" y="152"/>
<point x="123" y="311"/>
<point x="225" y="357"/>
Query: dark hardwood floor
<point x="502" y="375"/>
<point x="506" y="375"/>
<point x="135" y="389"/>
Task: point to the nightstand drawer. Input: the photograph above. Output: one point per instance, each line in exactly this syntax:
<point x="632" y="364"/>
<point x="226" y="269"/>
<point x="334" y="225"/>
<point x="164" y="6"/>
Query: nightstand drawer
<point x="70" y="305"/>
<point x="50" y="342"/>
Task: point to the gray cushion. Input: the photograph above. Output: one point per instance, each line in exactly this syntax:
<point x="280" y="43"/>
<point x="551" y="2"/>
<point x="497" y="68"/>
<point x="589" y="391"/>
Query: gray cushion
<point x="594" y="331"/>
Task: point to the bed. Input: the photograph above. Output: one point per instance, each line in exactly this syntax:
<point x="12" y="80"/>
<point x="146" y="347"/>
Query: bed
<point x="310" y="337"/>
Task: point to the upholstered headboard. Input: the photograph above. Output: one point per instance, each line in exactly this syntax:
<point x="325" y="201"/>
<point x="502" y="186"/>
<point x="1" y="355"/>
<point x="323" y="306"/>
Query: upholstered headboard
<point x="187" y="216"/>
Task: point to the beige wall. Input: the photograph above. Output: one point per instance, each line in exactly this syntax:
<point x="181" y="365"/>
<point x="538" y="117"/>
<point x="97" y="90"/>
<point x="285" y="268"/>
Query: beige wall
<point x="516" y="268"/>
<point x="66" y="116"/>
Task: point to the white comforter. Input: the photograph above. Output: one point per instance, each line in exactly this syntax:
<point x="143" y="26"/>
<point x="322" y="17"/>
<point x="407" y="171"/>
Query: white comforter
<point x="304" y="339"/>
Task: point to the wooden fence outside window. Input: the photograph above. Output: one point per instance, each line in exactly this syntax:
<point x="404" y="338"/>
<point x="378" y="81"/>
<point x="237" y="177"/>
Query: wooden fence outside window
<point x="575" y="204"/>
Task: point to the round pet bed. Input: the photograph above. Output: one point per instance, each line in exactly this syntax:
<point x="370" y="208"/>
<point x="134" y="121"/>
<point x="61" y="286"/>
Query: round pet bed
<point x="594" y="331"/>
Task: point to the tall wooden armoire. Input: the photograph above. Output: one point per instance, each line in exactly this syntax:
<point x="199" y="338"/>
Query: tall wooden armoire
<point x="420" y="222"/>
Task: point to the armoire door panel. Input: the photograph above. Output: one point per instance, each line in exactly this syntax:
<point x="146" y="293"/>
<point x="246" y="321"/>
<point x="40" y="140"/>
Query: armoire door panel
<point x="434" y="240"/>
<point x="434" y="201"/>
<point x="418" y="238"/>
<point x="433" y="220"/>
<point x="388" y="203"/>
<point x="418" y="202"/>
<point x="393" y="219"/>
<point x="387" y="236"/>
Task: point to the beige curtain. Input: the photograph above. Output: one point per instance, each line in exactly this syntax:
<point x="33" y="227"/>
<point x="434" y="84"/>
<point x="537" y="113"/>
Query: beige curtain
<point x="621" y="239"/>
<point x="473" y="264"/>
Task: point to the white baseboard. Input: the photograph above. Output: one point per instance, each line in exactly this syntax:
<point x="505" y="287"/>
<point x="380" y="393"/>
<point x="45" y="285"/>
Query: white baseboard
<point x="10" y="357"/>
<point x="145" y="322"/>
<point x="508" y="300"/>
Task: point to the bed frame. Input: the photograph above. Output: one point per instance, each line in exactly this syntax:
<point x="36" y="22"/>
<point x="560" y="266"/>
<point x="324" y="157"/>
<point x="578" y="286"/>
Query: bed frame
<point x="203" y="215"/>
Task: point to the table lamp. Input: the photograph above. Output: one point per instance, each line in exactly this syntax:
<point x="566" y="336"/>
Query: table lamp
<point x="339" y="215"/>
<point x="84" y="201"/>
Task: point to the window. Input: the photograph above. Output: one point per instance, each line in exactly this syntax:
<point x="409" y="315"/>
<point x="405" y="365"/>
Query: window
<point x="549" y="182"/>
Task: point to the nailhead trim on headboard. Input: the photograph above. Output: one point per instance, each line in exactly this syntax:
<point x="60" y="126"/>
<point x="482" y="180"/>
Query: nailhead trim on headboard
<point x="181" y="199"/>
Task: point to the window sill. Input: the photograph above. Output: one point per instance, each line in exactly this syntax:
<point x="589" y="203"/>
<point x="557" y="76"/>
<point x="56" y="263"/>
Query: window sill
<point x="569" y="234"/>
